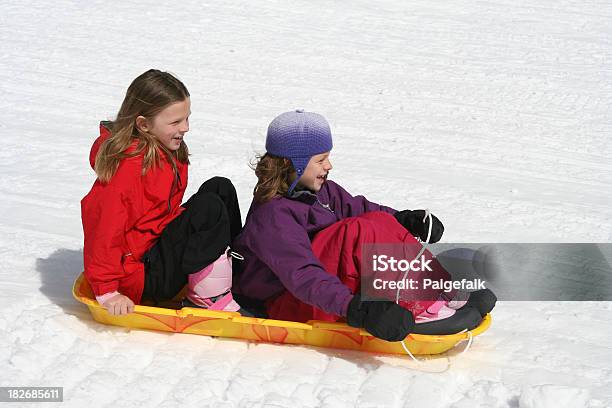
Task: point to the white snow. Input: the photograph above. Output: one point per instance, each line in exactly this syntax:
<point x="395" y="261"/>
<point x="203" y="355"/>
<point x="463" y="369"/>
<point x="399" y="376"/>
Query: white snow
<point x="495" y="115"/>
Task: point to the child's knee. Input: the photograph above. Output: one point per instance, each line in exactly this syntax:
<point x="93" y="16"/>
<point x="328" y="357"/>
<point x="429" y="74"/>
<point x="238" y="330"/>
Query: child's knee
<point x="209" y="204"/>
<point x="378" y="216"/>
<point x="375" y="225"/>
<point x="370" y="219"/>
<point x="359" y="223"/>
<point x="217" y="185"/>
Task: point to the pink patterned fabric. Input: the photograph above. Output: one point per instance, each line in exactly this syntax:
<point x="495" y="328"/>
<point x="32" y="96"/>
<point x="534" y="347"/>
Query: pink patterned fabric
<point x="103" y="298"/>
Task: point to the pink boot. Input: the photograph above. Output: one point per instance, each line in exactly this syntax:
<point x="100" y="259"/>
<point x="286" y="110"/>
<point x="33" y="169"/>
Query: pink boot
<point x="438" y="311"/>
<point x="443" y="308"/>
<point x="210" y="288"/>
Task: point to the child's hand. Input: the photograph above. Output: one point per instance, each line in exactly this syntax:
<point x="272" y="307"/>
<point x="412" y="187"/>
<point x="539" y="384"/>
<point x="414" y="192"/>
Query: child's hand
<point x="413" y="222"/>
<point x="383" y="319"/>
<point x="119" y="305"/>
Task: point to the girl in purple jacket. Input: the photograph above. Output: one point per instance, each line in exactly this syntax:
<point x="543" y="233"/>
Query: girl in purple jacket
<point x="293" y="202"/>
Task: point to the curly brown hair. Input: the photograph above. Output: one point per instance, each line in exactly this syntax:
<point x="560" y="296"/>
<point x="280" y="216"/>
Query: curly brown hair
<point x="273" y="177"/>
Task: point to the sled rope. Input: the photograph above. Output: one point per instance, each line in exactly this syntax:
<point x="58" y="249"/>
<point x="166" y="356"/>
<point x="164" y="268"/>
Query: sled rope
<point x="236" y="255"/>
<point x="470" y="338"/>
<point x="423" y="248"/>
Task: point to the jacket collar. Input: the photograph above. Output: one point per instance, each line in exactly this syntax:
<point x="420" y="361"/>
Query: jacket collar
<point x="307" y="196"/>
<point x="301" y="195"/>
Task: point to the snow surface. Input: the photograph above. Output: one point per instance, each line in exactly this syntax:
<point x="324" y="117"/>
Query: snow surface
<point x="495" y="115"/>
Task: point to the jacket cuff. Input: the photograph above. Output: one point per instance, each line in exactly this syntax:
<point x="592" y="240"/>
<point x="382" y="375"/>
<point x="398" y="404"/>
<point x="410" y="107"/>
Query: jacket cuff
<point x="345" y="304"/>
<point x="104" y="287"/>
<point x="103" y="298"/>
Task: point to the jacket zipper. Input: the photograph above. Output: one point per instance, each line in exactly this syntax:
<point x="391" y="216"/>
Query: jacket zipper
<point x="326" y="206"/>
<point x="303" y="192"/>
<point x="177" y="180"/>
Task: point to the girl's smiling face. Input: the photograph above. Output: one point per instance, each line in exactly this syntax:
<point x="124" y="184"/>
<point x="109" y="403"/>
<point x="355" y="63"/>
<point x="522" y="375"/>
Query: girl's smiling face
<point x="170" y="125"/>
<point x="316" y="172"/>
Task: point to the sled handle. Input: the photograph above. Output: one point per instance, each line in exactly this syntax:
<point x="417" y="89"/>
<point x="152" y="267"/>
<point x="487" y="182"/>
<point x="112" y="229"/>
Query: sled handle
<point x="271" y="322"/>
<point x="337" y="327"/>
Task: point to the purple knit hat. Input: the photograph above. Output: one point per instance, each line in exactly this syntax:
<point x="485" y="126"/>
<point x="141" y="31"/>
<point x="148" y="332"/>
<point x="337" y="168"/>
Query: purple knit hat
<point x="298" y="135"/>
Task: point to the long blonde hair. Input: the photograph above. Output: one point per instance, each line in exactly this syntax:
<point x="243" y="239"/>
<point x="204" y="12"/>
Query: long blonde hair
<point x="147" y="95"/>
<point x="273" y="175"/>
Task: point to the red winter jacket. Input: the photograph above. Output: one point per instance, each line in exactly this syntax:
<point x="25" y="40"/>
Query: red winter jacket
<point x="123" y="218"/>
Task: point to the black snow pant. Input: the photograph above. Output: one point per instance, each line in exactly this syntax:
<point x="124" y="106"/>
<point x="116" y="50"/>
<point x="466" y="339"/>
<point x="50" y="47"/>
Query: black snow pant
<point x="194" y="239"/>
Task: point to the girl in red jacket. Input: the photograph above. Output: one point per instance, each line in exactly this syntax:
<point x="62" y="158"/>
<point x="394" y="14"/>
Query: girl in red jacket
<point x="140" y="242"/>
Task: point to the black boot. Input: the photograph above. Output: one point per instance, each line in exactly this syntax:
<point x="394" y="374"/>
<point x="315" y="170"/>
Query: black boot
<point x="482" y="300"/>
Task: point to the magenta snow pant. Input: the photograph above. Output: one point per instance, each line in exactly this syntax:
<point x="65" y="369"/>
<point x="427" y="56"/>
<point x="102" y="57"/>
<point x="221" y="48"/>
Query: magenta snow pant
<point x="339" y="248"/>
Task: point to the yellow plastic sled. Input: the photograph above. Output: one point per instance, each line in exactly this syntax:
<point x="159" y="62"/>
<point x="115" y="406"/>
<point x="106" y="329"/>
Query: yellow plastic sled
<point x="232" y="324"/>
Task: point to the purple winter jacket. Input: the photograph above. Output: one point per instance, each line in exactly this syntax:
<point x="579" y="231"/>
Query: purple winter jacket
<point x="275" y="243"/>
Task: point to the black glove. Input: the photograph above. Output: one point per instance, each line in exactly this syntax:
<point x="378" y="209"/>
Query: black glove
<point x="413" y="222"/>
<point x="383" y="319"/>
